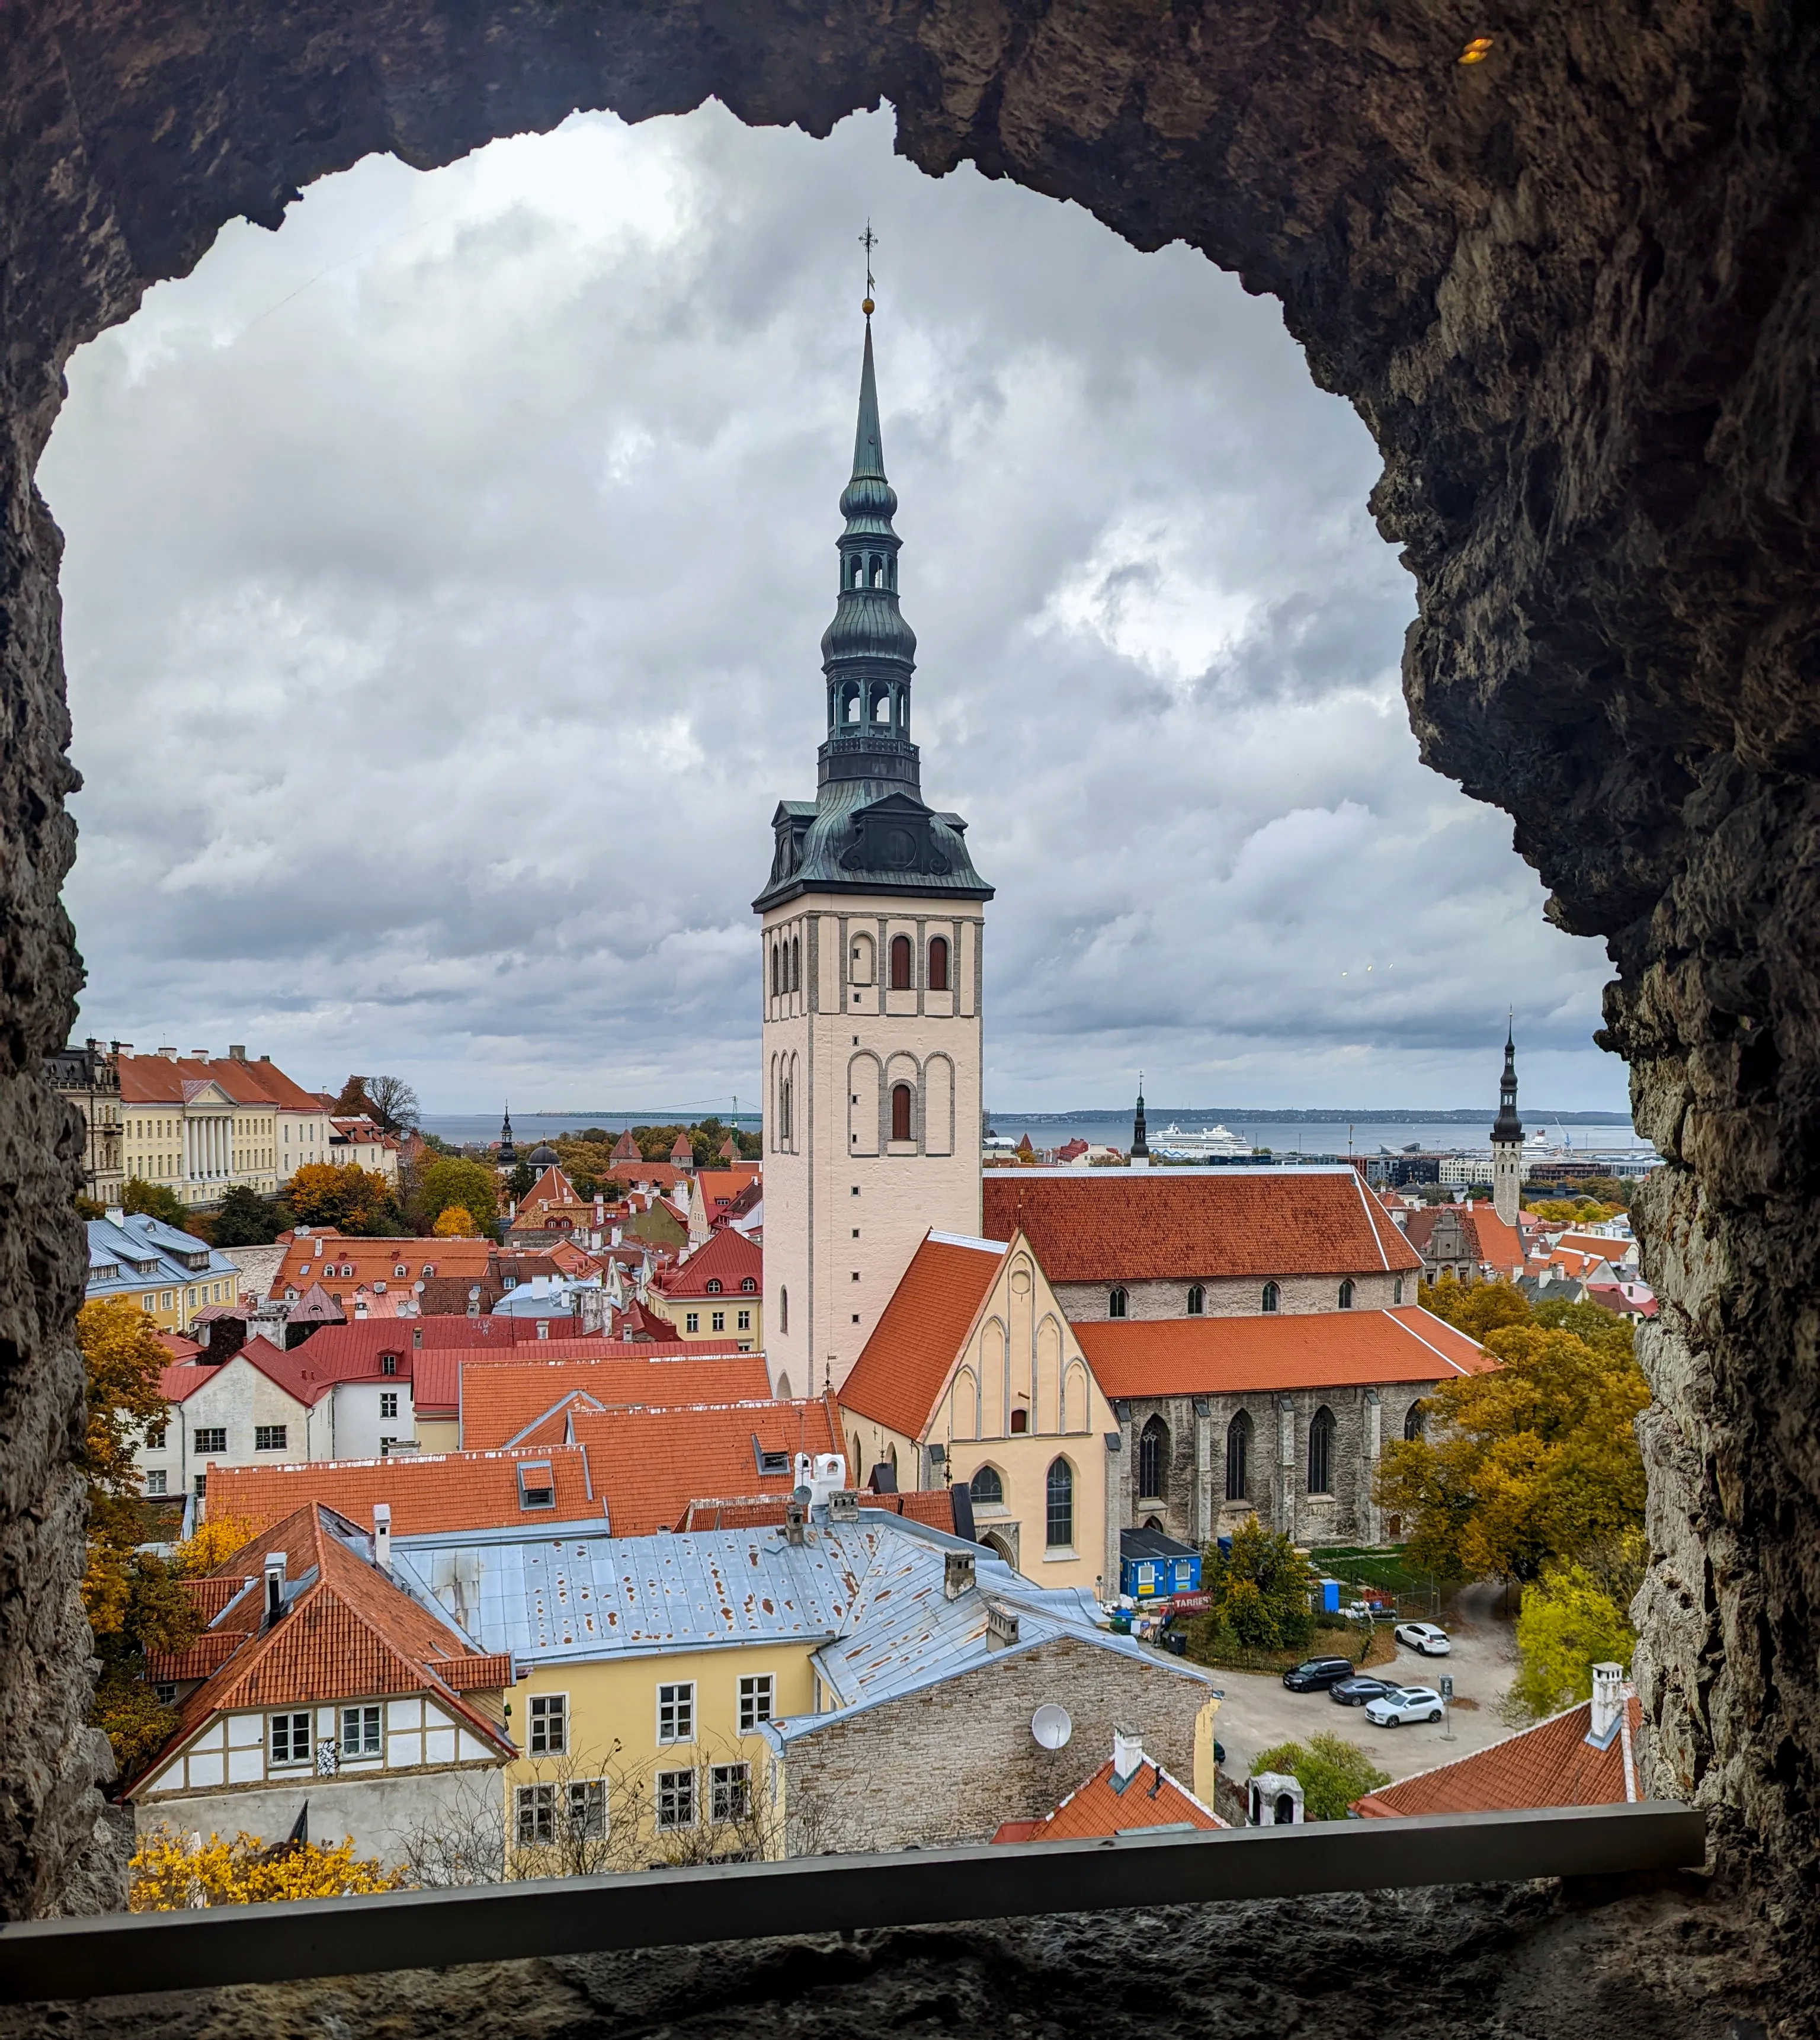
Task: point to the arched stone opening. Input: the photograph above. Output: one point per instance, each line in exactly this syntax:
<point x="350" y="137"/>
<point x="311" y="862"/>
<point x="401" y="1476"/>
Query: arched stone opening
<point x="1570" y="289"/>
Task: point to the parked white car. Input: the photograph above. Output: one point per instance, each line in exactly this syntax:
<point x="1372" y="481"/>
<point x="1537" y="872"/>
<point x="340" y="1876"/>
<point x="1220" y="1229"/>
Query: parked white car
<point x="1404" y="1703"/>
<point x="1424" y="1637"/>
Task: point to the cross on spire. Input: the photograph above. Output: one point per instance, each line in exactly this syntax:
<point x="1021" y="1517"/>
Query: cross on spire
<point x="868" y="241"/>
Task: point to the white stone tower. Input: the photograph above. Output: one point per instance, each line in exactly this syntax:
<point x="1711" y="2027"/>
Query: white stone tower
<point x="1507" y="1141"/>
<point x="872" y="925"/>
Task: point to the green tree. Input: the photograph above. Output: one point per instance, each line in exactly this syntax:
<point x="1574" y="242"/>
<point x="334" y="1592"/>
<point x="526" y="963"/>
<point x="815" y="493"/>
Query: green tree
<point x="1568" y="1623"/>
<point x="133" y="1599"/>
<point x="522" y="1178"/>
<point x="1528" y="1466"/>
<point x="1331" y="1771"/>
<point x="246" y="1219"/>
<point x="155" y="1201"/>
<point x="450" y="1180"/>
<point x="1259" y="1592"/>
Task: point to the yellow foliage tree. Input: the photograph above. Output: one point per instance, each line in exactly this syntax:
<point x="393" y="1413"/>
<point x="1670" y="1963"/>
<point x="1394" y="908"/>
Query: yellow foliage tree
<point x="1531" y="1466"/>
<point x="455" y="1221"/>
<point x="351" y="1199"/>
<point x="169" y="1875"/>
<point x="1476" y="1309"/>
<point x="214" y="1542"/>
<point x="1568" y="1624"/>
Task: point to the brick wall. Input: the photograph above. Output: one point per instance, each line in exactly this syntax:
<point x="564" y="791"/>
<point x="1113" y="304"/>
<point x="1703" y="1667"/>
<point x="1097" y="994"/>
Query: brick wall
<point x="948" y="1764"/>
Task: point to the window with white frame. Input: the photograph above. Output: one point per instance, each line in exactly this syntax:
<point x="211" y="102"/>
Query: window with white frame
<point x="388" y="1402"/>
<point x="676" y="1798"/>
<point x="758" y="1695"/>
<point x="730" y="1791"/>
<point x="548" y="1724"/>
<point x="535" y="1807"/>
<point x="290" y="1739"/>
<point x="211" y="1438"/>
<point x="718" y="1321"/>
<point x="676" y="1712"/>
<point x="269" y="1437"/>
<point x="692" y="1321"/>
<point x="155" y="1481"/>
<point x="587" y="1809"/>
<point x="360" y="1731"/>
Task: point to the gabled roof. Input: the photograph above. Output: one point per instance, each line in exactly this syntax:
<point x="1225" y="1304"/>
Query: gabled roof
<point x="499" y="1401"/>
<point x="553" y="1187"/>
<point x="347" y="1632"/>
<point x="1487" y="1239"/>
<point x="902" y="1366"/>
<point x="650" y="1462"/>
<point x="1148" y="1357"/>
<point x="1107" y="1805"/>
<point x="1555" y="1763"/>
<point x="719" y="1187"/>
<point x="1120" y="1225"/>
<point x="725" y="1257"/>
<point x="312" y="1255"/>
<point x="161" y="1080"/>
<point x="426" y="1491"/>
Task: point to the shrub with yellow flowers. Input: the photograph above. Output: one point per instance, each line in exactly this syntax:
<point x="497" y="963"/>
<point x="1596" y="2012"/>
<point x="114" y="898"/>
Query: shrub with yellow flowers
<point x="174" y="1873"/>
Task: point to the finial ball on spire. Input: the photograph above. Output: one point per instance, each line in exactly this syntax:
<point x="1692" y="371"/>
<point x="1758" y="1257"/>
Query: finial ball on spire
<point x="866" y="306"/>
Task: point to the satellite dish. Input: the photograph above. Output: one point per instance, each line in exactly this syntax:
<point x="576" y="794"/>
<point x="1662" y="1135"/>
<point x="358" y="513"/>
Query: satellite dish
<point x="1051" y="1726"/>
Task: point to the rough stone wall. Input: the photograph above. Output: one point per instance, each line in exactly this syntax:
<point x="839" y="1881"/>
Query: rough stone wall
<point x="1572" y="291"/>
<point x="945" y="1766"/>
<point x="1230" y="1296"/>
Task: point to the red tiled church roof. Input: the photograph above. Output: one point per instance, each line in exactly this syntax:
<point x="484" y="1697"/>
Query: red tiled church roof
<point x="900" y="1370"/>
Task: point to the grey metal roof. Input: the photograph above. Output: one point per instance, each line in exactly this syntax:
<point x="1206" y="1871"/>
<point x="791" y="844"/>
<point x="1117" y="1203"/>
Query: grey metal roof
<point x="141" y="1250"/>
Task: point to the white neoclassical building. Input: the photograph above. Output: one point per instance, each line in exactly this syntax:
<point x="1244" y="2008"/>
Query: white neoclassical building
<point x="873" y="922"/>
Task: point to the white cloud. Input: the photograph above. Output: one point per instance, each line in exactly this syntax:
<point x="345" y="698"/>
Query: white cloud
<point x="443" y="586"/>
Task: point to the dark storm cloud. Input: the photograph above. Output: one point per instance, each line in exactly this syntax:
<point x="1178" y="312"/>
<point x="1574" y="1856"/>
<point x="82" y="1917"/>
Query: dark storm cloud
<point x="444" y="583"/>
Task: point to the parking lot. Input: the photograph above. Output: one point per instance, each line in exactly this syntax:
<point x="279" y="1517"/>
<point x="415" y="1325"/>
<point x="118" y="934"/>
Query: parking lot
<point x="1259" y="1710"/>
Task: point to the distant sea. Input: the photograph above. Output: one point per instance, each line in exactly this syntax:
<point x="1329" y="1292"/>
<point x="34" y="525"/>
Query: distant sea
<point x="1310" y="1133"/>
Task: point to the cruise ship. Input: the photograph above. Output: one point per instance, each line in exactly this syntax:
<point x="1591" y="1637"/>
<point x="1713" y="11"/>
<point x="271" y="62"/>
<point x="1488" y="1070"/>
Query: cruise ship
<point x="1215" y="1143"/>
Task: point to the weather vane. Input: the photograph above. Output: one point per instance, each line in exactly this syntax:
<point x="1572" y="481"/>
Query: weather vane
<point x="868" y="241"/>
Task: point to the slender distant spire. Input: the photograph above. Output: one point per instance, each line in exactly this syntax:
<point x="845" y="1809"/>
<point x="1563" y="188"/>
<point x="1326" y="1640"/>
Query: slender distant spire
<point x="868" y="441"/>
<point x="1507" y="1126"/>
<point x="1140" y="1136"/>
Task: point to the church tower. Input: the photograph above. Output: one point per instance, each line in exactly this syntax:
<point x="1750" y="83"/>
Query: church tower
<point x="1507" y="1141"/>
<point x="872" y="925"/>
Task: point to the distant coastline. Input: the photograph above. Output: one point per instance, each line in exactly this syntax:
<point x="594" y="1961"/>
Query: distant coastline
<point x="1314" y="1115"/>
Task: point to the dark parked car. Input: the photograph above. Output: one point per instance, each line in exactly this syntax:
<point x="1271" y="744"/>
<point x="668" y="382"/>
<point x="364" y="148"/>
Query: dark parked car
<point x="1315" y="1675"/>
<point x="1355" y="1692"/>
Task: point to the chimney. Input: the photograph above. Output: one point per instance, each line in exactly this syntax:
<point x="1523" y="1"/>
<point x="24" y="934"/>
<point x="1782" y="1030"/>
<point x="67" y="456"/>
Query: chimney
<point x="1607" y="1703"/>
<point x="416" y="1338"/>
<point x="274" y="1585"/>
<point x="795" y="1521"/>
<point x="957" y="1573"/>
<point x="1127" y="1753"/>
<point x="236" y="1052"/>
<point x="116" y="1214"/>
<point x="382" y="1535"/>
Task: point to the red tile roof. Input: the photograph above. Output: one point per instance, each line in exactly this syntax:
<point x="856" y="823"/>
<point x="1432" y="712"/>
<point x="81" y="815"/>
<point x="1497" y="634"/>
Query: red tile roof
<point x="373" y="1262"/>
<point x="651" y="1463"/>
<point x="499" y="1400"/>
<point x="720" y="1187"/>
<point x="160" y="1080"/>
<point x="348" y="1632"/>
<point x="1149" y="1799"/>
<point x="1488" y="1239"/>
<point x="901" y="1368"/>
<point x="1551" y="1764"/>
<point x="725" y="1257"/>
<point x="428" y="1491"/>
<point x="1312" y="1349"/>
<point x="1117" y="1225"/>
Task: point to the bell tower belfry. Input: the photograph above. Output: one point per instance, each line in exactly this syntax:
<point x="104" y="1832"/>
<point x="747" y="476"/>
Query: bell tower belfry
<point x="872" y="922"/>
<point x="1507" y="1140"/>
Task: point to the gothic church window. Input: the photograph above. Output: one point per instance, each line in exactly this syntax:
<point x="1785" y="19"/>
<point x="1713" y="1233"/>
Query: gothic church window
<point x="1116" y="1304"/>
<point x="1321" y="1452"/>
<point x="1414" y="1423"/>
<point x="1059" y="1512"/>
<point x="1153" y="1459"/>
<point x="989" y="1486"/>
<point x="939" y="964"/>
<point x="1238" y="1458"/>
<point x="796" y="963"/>
<point x="1273" y="1297"/>
<point x="901" y="1112"/>
<point x="1346" y="1294"/>
<point x="1197" y="1300"/>
<point x="900" y="963"/>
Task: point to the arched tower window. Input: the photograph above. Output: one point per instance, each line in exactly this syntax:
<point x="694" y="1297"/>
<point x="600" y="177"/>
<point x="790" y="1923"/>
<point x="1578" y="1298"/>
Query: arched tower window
<point x="988" y="1486"/>
<point x="882" y="707"/>
<point x="1153" y="1460"/>
<point x="939" y="964"/>
<point x="1321" y="1452"/>
<point x="1116" y="1304"/>
<point x="796" y="963"/>
<point x="1396" y="1291"/>
<point x="855" y="570"/>
<point x="901" y="1112"/>
<point x="783" y="1326"/>
<point x="874" y="572"/>
<point x="1058" y="1494"/>
<point x="1414" y="1423"/>
<point x="776" y="971"/>
<point x="1273" y="1297"/>
<point x="1346" y="1294"/>
<point x="1239" y="1457"/>
<point x="1197" y="1300"/>
<point x="900" y="963"/>
<point x="1020" y="1422"/>
<point x="849" y="702"/>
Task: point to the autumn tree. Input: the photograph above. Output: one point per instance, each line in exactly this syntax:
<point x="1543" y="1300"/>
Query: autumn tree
<point x="450" y="1180"/>
<point x="155" y="1201"/>
<point x="1530" y="1465"/>
<point x="171" y="1874"/>
<point x="1569" y="1621"/>
<point x="133" y="1599"/>
<point x="1476" y="1309"/>
<point x="352" y="1101"/>
<point x="1331" y="1771"/>
<point x="393" y="1103"/>
<point x="1259" y="1591"/>
<point x="350" y="1199"/>
<point x="455" y="1222"/>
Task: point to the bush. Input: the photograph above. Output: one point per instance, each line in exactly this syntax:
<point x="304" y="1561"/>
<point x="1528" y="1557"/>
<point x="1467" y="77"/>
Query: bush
<point x="1331" y="1771"/>
<point x="1568" y="1624"/>
<point x="170" y="1876"/>
<point x="155" y="1201"/>
<point x="1260" y="1594"/>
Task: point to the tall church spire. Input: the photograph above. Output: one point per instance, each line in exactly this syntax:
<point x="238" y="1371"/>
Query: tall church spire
<point x="1507" y="1140"/>
<point x="1507" y="1126"/>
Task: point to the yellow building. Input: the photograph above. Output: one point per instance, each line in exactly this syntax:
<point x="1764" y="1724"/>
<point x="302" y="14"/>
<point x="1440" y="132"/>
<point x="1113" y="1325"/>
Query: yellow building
<point x="168" y="1274"/>
<point x="974" y="1375"/>
<point x="198" y="1124"/>
<point x="716" y="1293"/>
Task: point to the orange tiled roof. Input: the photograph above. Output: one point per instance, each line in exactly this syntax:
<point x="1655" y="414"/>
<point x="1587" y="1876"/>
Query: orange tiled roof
<point x="348" y="1632"/>
<point x="428" y="1491"/>
<point x="159" y="1080"/>
<point x="1487" y="1237"/>
<point x="499" y="1401"/>
<point x="651" y="1463"/>
<point x="1551" y="1764"/>
<point x="900" y="1372"/>
<point x="720" y="1187"/>
<point x="725" y="1257"/>
<point x="373" y="1262"/>
<point x="1149" y="1799"/>
<point x="1311" y="1349"/>
<point x="1117" y="1225"/>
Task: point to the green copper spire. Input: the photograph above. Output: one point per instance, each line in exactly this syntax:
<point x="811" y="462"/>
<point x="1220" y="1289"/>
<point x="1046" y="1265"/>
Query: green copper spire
<point x="869" y="653"/>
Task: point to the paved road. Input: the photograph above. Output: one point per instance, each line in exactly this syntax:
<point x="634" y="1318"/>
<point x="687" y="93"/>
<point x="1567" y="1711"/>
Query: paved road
<point x="1259" y="1710"/>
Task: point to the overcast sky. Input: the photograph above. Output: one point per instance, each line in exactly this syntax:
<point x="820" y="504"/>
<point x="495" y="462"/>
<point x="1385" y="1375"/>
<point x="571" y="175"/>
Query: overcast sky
<point x="444" y="583"/>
